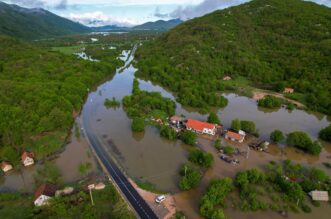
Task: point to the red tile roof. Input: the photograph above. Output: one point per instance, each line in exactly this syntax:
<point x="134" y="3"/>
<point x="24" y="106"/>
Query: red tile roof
<point x="198" y="125"/>
<point x="234" y="135"/>
<point x="26" y="155"/>
<point x="48" y="190"/>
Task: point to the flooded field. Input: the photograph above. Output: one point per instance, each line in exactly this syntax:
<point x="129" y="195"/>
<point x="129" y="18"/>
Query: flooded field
<point x="75" y="153"/>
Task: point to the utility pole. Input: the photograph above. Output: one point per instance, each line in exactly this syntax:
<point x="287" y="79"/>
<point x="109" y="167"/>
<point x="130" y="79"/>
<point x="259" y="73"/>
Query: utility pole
<point x="90" y="187"/>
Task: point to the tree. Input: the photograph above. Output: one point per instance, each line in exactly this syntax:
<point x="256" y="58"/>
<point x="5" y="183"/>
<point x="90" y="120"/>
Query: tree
<point x="277" y="136"/>
<point x="218" y="214"/>
<point x="280" y="86"/>
<point x="138" y="125"/>
<point x="49" y="173"/>
<point x="213" y="118"/>
<point x="270" y="102"/>
<point x="248" y="126"/>
<point x="228" y="150"/>
<point x="302" y="140"/>
<point x="325" y="134"/>
<point x="168" y="132"/>
<point x="201" y="158"/>
<point x="217" y="144"/>
<point x="236" y="125"/>
<point x="190" y="177"/>
<point x="189" y="137"/>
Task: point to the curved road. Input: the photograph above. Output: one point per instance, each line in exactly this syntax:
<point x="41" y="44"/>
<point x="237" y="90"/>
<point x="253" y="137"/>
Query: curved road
<point x="136" y="201"/>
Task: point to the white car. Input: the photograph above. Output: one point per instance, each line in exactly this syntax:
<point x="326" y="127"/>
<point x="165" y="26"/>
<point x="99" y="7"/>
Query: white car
<point x="160" y="199"/>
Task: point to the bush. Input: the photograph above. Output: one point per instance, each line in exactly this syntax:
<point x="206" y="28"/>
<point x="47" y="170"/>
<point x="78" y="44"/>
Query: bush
<point x="325" y="134"/>
<point x="302" y="140"/>
<point x="248" y="126"/>
<point x="190" y="177"/>
<point x="168" y="132"/>
<point x="217" y="144"/>
<point x="213" y="118"/>
<point x="112" y="103"/>
<point x="138" y="125"/>
<point x="277" y="136"/>
<point x="236" y="125"/>
<point x="201" y="158"/>
<point x="270" y="102"/>
<point x="305" y="208"/>
<point x="189" y="137"/>
<point x="228" y="150"/>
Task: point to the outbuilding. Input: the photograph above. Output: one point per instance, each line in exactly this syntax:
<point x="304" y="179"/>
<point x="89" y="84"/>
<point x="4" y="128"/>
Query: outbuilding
<point x="234" y="136"/>
<point x="5" y="166"/>
<point x="27" y="158"/>
<point x="319" y="195"/>
<point x="43" y="194"/>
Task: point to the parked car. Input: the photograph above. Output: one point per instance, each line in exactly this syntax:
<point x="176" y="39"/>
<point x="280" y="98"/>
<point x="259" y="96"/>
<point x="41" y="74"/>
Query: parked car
<point x="160" y="199"/>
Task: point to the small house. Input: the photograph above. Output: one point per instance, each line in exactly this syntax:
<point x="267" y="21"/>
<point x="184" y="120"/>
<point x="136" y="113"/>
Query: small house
<point x="27" y="158"/>
<point x="234" y="136"/>
<point x="176" y="120"/>
<point x="319" y="195"/>
<point x="288" y="90"/>
<point x="200" y="127"/>
<point x="227" y="78"/>
<point x="43" y="194"/>
<point x="99" y="186"/>
<point x="5" y="166"/>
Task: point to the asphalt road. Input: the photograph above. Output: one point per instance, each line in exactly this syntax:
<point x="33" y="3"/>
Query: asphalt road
<point x="137" y="202"/>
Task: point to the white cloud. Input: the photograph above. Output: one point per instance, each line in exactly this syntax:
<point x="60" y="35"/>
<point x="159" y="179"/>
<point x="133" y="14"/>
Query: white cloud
<point x="99" y="18"/>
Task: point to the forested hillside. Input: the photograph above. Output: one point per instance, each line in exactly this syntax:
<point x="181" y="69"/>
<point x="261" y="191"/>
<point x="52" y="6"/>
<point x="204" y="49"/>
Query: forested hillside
<point x="160" y="25"/>
<point x="39" y="93"/>
<point x="35" y="23"/>
<point x="270" y="42"/>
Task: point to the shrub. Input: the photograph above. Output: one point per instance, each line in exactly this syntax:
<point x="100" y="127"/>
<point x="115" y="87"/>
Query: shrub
<point x="228" y="150"/>
<point x="248" y="126"/>
<point x="138" y="125"/>
<point x="302" y="140"/>
<point x="325" y="134"/>
<point x="201" y="158"/>
<point x="305" y="208"/>
<point x="189" y="137"/>
<point x="236" y="125"/>
<point x="168" y="132"/>
<point x="213" y="118"/>
<point x="190" y="177"/>
<point x="277" y="136"/>
<point x="270" y="102"/>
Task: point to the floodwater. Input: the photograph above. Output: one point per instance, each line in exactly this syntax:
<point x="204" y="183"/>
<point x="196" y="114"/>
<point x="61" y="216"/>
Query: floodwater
<point x="146" y="156"/>
<point x="76" y="152"/>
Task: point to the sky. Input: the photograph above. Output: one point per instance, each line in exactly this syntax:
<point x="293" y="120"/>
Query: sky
<point x="130" y="12"/>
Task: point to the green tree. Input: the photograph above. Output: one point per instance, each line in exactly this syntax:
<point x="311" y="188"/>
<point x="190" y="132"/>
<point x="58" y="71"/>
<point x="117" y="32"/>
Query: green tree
<point x="277" y="136"/>
<point x="248" y="126"/>
<point x="213" y="118"/>
<point x="270" y="102"/>
<point x="190" y="177"/>
<point x="189" y="137"/>
<point x="302" y="140"/>
<point x="218" y="214"/>
<point x="325" y="134"/>
<point x="236" y="125"/>
<point x="168" y="132"/>
<point x="218" y="144"/>
<point x="138" y="125"/>
<point x="201" y="158"/>
<point x="228" y="150"/>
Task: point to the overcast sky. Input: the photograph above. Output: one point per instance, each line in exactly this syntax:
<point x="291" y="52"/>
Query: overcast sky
<point x="130" y="12"/>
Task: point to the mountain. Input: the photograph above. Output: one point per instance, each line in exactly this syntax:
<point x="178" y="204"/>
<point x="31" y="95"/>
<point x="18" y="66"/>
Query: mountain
<point x="35" y="23"/>
<point x="271" y="43"/>
<point x="158" y="25"/>
<point x="109" y="28"/>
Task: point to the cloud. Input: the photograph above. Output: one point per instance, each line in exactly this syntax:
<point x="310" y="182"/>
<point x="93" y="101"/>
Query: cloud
<point x="29" y="3"/>
<point x="158" y="14"/>
<point x="98" y="18"/>
<point x="62" y="5"/>
<point x="207" y="6"/>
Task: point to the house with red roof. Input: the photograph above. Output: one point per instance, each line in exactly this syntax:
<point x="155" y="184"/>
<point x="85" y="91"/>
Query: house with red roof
<point x="288" y="90"/>
<point x="201" y="127"/>
<point x="27" y="158"/>
<point x="234" y="136"/>
<point x="43" y="194"/>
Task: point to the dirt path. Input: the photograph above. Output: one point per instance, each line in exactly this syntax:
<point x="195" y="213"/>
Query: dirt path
<point x="259" y="94"/>
<point x="165" y="210"/>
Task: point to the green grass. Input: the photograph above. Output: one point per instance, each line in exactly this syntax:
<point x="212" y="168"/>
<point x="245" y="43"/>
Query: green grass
<point x="148" y="186"/>
<point x="239" y="85"/>
<point x="45" y="145"/>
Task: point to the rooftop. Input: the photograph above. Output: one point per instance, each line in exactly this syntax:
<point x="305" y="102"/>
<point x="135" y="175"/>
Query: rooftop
<point x="198" y="125"/>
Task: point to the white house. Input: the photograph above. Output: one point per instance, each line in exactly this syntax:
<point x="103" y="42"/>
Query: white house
<point x="5" y="166"/>
<point x="233" y="136"/>
<point x="319" y="195"/>
<point x="43" y="194"/>
<point x="201" y="127"/>
<point x="27" y="159"/>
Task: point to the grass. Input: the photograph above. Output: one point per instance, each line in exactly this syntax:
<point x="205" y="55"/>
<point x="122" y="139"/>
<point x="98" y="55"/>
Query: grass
<point x="148" y="186"/>
<point x="47" y="144"/>
<point x="239" y="85"/>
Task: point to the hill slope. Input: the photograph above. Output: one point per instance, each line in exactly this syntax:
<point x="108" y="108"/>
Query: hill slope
<point x="35" y="23"/>
<point x="270" y="42"/>
<point x="158" y="25"/>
